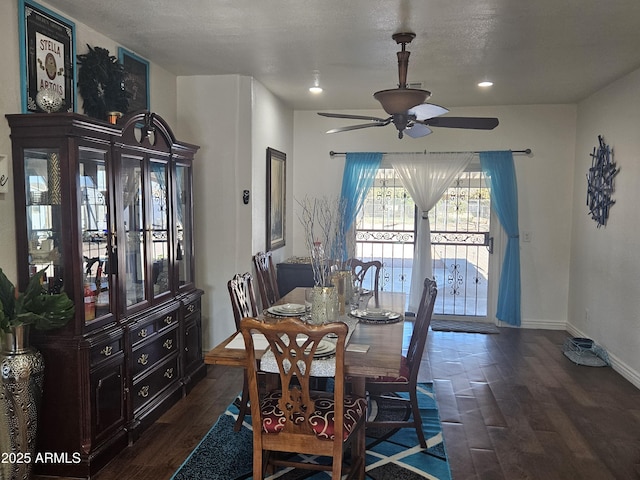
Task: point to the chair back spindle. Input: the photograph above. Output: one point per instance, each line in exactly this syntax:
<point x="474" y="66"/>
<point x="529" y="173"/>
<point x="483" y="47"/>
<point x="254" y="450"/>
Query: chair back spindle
<point x="360" y="269"/>
<point x="266" y="276"/>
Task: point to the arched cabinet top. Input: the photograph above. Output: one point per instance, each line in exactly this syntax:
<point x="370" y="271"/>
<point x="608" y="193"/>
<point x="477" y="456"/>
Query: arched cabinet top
<point x="150" y="130"/>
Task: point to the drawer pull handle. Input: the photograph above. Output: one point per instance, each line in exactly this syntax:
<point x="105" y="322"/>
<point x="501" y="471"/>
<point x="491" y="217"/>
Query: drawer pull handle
<point x="144" y="392"/>
<point x="168" y="320"/>
<point x="168" y="344"/>
<point x="169" y="373"/>
<point x="142" y="333"/>
<point x="191" y="308"/>
<point x="106" y="351"/>
<point x="144" y="359"/>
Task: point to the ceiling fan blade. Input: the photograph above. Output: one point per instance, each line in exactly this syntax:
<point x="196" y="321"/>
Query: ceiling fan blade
<point x="417" y="130"/>
<point x="354" y="117"/>
<point x="427" y="110"/>
<point x="357" y="127"/>
<point x="477" y="123"/>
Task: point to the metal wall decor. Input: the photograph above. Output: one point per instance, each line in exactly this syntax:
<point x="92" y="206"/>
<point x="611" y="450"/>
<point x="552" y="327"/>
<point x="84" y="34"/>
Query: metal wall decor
<point x="600" y="182"/>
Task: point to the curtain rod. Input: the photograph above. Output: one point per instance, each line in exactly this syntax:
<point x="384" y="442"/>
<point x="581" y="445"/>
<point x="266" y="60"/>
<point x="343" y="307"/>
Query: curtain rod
<point x="526" y="151"/>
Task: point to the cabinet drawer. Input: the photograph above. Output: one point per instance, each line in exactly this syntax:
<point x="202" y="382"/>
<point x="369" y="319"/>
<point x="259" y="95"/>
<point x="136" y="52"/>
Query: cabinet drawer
<point x="106" y="350"/>
<point x="142" y="332"/>
<point x="148" y="354"/>
<point x="146" y="388"/>
<point x="166" y="321"/>
<point x="192" y="307"/>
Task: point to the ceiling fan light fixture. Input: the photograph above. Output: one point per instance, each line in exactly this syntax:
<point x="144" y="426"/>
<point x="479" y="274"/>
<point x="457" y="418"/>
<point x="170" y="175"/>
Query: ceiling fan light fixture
<point x="400" y="100"/>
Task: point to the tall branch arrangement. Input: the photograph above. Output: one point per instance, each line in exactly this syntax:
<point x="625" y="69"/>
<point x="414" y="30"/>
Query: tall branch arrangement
<point x="323" y="222"/>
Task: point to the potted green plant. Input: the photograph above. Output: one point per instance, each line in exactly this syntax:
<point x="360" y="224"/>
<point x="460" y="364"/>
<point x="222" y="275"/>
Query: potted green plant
<point x="33" y="307"/>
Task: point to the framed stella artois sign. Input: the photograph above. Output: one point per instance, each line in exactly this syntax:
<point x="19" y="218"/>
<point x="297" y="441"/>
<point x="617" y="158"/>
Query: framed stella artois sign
<point x="47" y="59"/>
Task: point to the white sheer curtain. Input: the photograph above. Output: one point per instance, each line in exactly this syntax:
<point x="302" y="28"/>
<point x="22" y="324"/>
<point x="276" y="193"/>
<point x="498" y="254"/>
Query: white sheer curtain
<point x="426" y="177"/>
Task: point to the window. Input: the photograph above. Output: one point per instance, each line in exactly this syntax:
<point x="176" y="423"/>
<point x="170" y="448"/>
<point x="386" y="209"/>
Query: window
<point x="460" y="237"/>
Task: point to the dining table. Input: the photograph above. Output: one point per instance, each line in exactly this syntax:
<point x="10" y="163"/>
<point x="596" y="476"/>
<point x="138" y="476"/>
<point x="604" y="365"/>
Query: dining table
<point x="374" y="348"/>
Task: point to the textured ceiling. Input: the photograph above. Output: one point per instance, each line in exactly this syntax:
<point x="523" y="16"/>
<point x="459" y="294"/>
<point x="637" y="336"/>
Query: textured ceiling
<point x="536" y="52"/>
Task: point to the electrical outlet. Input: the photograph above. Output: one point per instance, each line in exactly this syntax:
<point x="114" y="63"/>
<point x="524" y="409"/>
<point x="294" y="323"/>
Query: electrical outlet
<point x="526" y="237"/>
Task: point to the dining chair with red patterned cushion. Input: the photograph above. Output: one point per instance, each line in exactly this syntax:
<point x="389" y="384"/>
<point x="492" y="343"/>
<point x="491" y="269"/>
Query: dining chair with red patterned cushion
<point x="407" y="378"/>
<point x="294" y="418"/>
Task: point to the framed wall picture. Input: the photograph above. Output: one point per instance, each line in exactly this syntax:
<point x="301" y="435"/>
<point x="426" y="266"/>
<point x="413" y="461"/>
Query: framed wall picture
<point x="47" y="59"/>
<point x="276" y="182"/>
<point x="136" y="81"/>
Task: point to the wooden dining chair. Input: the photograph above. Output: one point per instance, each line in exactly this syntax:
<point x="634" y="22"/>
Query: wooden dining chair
<point x="407" y="379"/>
<point x="243" y="304"/>
<point x="359" y="270"/>
<point x="266" y="276"/>
<point x="295" y="419"/>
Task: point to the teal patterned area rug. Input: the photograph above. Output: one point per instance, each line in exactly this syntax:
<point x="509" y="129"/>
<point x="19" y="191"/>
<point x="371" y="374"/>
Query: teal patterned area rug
<point x="392" y="454"/>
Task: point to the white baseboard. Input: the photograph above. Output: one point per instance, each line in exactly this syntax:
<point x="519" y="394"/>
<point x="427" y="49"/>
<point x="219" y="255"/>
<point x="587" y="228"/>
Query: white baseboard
<point x="618" y="365"/>
<point x="538" y="324"/>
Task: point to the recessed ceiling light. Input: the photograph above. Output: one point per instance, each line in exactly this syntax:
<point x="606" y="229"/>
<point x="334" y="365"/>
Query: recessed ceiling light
<point x="485" y="84"/>
<point x="316" y="88"/>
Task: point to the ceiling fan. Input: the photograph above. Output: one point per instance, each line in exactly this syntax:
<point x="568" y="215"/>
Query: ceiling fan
<point x="406" y="108"/>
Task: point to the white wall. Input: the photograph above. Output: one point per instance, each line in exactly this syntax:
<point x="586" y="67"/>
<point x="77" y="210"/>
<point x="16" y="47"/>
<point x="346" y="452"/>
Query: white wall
<point x="272" y="125"/>
<point x="544" y="182"/>
<point x="213" y="113"/>
<point x="604" y="300"/>
<point x="9" y="103"/>
<point x="234" y="119"/>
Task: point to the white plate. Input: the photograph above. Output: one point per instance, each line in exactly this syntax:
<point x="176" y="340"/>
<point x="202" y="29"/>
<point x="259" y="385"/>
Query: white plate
<point x="289" y="308"/>
<point x="325" y="348"/>
<point x="376" y="314"/>
<point x="288" y="311"/>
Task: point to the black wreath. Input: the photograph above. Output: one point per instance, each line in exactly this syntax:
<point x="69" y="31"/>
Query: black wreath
<point x="101" y="83"/>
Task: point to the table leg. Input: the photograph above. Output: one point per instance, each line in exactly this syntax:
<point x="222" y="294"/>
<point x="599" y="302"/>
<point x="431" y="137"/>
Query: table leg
<point x="358" y="386"/>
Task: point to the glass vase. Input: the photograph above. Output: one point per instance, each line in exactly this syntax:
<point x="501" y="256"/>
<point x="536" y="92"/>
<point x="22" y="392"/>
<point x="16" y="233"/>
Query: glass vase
<point x="324" y="307"/>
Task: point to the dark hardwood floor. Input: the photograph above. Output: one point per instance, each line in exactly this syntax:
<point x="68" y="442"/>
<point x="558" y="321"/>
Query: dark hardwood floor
<point x="511" y="405"/>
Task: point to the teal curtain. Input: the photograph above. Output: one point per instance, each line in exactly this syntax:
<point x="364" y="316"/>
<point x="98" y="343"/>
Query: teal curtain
<point x="501" y="177"/>
<point x="359" y="173"/>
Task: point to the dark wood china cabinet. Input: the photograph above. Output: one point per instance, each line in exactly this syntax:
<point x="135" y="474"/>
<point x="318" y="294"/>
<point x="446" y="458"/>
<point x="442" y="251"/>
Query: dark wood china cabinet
<point x="107" y="211"/>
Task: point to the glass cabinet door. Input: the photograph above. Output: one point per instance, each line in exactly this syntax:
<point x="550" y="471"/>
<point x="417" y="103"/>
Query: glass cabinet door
<point x="95" y="231"/>
<point x="44" y="215"/>
<point x="183" y="225"/>
<point x="159" y="227"/>
<point x="132" y="201"/>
